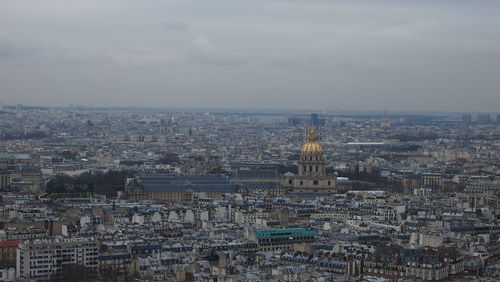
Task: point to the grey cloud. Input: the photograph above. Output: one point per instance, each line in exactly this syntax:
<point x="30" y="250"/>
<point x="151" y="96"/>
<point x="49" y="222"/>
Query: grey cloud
<point x="175" y="26"/>
<point x="203" y="50"/>
<point x="11" y="51"/>
<point x="11" y="48"/>
<point x="404" y="54"/>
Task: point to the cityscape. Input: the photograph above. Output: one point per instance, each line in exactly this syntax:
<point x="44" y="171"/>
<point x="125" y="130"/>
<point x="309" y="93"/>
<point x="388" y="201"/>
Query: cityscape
<point x="237" y="140"/>
<point x="108" y="194"/>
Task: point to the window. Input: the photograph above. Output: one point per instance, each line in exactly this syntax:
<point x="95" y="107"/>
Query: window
<point x="310" y="168"/>
<point x="290" y="181"/>
<point x="301" y="182"/>
<point x="316" y="168"/>
<point x="315" y="182"/>
<point x="329" y="183"/>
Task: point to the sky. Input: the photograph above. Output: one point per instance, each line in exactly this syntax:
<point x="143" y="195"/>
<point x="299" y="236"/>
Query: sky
<point x="395" y="55"/>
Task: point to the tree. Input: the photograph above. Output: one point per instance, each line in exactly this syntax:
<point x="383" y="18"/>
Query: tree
<point x="69" y="155"/>
<point x="102" y="183"/>
<point x="74" y="272"/>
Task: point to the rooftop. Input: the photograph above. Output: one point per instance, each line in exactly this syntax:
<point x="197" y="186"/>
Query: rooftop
<point x="286" y="232"/>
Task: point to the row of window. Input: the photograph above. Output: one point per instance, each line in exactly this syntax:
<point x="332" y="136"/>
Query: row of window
<point x="306" y="158"/>
<point x="311" y="168"/>
<point x="315" y="182"/>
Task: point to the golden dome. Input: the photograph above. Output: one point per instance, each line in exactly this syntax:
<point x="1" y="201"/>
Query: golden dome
<point x="311" y="146"/>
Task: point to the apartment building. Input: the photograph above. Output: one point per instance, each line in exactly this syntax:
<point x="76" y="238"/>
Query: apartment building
<point x="39" y="259"/>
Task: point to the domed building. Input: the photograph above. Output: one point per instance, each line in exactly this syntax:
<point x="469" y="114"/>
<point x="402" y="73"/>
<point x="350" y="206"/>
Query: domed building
<point x="312" y="175"/>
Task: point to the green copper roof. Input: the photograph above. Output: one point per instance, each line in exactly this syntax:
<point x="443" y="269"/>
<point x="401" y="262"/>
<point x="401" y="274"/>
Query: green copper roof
<point x="281" y="233"/>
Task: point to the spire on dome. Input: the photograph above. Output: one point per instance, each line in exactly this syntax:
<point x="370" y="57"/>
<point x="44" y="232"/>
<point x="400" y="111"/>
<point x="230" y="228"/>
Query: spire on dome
<point x="312" y="135"/>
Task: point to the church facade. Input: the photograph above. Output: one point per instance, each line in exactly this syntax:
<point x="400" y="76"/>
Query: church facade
<point x="312" y="175"/>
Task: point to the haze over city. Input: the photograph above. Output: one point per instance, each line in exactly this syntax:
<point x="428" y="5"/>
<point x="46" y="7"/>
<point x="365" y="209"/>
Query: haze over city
<point x="345" y="55"/>
<point x="257" y="140"/>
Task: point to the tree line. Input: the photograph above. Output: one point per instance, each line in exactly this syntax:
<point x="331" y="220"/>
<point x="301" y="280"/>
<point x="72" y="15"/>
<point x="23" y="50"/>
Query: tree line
<point x="107" y="183"/>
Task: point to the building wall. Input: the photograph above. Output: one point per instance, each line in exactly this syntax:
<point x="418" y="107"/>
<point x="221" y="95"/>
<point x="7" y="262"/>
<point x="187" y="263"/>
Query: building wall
<point x="174" y="197"/>
<point x="311" y="184"/>
<point x="26" y="234"/>
<point x="8" y="252"/>
<point x="4" y="180"/>
<point x="312" y="165"/>
<point x="434" y="181"/>
<point x="39" y="260"/>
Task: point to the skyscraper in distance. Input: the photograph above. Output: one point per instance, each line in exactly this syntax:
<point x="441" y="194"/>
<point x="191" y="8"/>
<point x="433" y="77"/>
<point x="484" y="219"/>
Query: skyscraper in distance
<point x="483" y="118"/>
<point x="466" y="119"/>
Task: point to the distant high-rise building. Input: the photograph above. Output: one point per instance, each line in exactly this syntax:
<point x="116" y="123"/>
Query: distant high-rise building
<point x="163" y="126"/>
<point x="467" y="119"/>
<point x="483" y="118"/>
<point x="498" y="119"/>
<point x="385" y="121"/>
<point x="316" y="121"/>
<point x="294" y="121"/>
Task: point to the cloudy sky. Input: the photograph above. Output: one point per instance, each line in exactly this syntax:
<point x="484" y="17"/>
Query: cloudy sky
<point x="424" y="55"/>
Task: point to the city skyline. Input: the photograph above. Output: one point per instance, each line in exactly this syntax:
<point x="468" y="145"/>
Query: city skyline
<point x="265" y="140"/>
<point x="237" y="111"/>
<point x="119" y="194"/>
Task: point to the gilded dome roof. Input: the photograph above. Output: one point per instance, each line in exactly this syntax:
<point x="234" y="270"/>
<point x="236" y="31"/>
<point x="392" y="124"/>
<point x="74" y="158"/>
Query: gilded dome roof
<point x="311" y="146"/>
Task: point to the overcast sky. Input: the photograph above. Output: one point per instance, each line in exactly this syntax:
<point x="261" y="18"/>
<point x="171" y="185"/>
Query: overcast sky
<point x="424" y="55"/>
